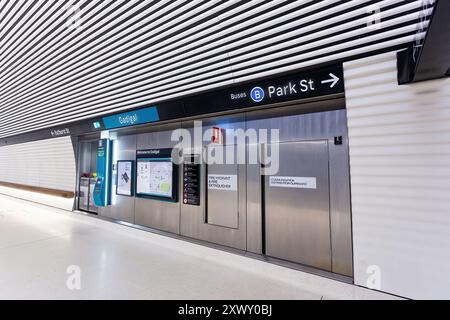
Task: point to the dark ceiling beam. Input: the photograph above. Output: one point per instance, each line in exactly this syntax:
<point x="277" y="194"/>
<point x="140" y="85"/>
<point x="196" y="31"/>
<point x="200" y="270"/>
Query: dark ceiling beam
<point x="429" y="59"/>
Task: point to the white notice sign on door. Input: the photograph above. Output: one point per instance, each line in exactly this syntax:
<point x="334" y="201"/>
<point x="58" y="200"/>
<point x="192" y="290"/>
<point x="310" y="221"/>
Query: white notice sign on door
<point x="222" y="182"/>
<point x="293" y="182"/>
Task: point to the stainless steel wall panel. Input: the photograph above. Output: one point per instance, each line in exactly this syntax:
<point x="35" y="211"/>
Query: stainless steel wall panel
<point x="194" y="218"/>
<point x="122" y="207"/>
<point x="340" y="203"/>
<point x="157" y="214"/>
<point x="216" y="212"/>
<point x="297" y="218"/>
<point x="254" y="210"/>
<point x="305" y="127"/>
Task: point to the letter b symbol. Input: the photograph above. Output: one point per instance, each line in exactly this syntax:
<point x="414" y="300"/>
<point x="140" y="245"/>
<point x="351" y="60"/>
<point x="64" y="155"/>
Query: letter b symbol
<point x="257" y="94"/>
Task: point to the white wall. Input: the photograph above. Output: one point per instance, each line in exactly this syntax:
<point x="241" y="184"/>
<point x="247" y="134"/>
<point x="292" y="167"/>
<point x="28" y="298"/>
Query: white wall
<point x="46" y="163"/>
<point x="48" y="200"/>
<point x="400" y="174"/>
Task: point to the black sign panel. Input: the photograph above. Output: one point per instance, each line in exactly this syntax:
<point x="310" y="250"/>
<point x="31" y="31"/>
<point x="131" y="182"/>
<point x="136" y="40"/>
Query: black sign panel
<point x="428" y="58"/>
<point x="296" y="86"/>
<point x="316" y="83"/>
<point x="191" y="182"/>
<point x="301" y="86"/>
<point x="155" y="153"/>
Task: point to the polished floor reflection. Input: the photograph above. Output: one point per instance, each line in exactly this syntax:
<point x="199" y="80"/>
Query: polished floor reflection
<point x="48" y="253"/>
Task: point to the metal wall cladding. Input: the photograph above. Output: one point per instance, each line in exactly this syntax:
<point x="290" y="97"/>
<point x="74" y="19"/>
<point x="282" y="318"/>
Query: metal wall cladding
<point x="157" y="214"/>
<point x="400" y="170"/>
<point x="122" y="207"/>
<point x="64" y="61"/>
<point x="302" y="128"/>
<point x="297" y="219"/>
<point x="222" y="215"/>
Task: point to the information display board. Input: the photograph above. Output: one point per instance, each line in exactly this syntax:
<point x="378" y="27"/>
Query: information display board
<point x="125" y="178"/>
<point x="156" y="174"/>
<point x="191" y="180"/>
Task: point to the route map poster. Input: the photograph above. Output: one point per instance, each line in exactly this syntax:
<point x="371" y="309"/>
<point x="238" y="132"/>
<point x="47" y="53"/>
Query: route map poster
<point x="156" y="175"/>
<point x="154" y="178"/>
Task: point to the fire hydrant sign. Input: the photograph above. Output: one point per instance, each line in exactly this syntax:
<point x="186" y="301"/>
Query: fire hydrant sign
<point x="293" y="182"/>
<point x="222" y="182"/>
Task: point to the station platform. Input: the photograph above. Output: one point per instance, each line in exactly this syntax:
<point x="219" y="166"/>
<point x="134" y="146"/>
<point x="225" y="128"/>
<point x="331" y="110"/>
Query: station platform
<point x="42" y="249"/>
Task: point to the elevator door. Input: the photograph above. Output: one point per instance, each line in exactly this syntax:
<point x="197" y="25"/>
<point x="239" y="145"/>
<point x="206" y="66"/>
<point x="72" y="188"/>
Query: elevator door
<point x="297" y="205"/>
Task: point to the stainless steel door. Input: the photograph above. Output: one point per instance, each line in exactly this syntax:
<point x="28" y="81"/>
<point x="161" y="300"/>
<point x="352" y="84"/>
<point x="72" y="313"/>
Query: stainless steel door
<point x="223" y="191"/>
<point x="297" y="205"/>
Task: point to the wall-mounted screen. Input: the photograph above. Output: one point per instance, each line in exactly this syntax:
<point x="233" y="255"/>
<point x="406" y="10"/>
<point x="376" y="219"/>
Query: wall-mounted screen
<point x="156" y="174"/>
<point x="125" y="178"/>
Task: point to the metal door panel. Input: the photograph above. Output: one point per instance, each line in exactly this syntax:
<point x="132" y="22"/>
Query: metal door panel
<point x="306" y="127"/>
<point x="158" y="214"/>
<point x="194" y="219"/>
<point x="223" y="205"/>
<point x="297" y="215"/>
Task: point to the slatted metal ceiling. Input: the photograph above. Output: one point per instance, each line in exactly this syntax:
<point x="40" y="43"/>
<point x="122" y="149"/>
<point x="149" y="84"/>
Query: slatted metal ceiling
<point x="131" y="53"/>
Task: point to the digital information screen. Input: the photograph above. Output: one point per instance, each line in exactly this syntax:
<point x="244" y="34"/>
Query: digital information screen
<point x="155" y="176"/>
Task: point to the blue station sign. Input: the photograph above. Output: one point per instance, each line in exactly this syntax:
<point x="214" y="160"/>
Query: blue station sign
<point x="132" y="118"/>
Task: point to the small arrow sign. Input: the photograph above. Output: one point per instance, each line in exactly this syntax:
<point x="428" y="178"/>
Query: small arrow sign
<point x="334" y="80"/>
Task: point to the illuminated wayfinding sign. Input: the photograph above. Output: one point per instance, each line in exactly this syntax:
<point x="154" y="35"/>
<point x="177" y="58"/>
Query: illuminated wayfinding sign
<point x="102" y="197"/>
<point x="326" y="81"/>
<point x="132" y="118"/>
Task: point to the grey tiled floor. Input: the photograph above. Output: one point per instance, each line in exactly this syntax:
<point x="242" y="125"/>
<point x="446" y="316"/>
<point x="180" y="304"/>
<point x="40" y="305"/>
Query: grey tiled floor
<point x="38" y="244"/>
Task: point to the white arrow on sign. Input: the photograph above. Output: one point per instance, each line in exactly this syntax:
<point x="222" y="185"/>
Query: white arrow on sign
<point x="334" y="80"/>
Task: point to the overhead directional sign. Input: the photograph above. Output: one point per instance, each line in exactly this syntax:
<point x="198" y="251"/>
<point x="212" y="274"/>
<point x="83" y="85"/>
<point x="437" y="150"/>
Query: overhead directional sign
<point x="326" y="81"/>
<point x="333" y="81"/>
<point x="132" y="118"/>
<point x="316" y="83"/>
